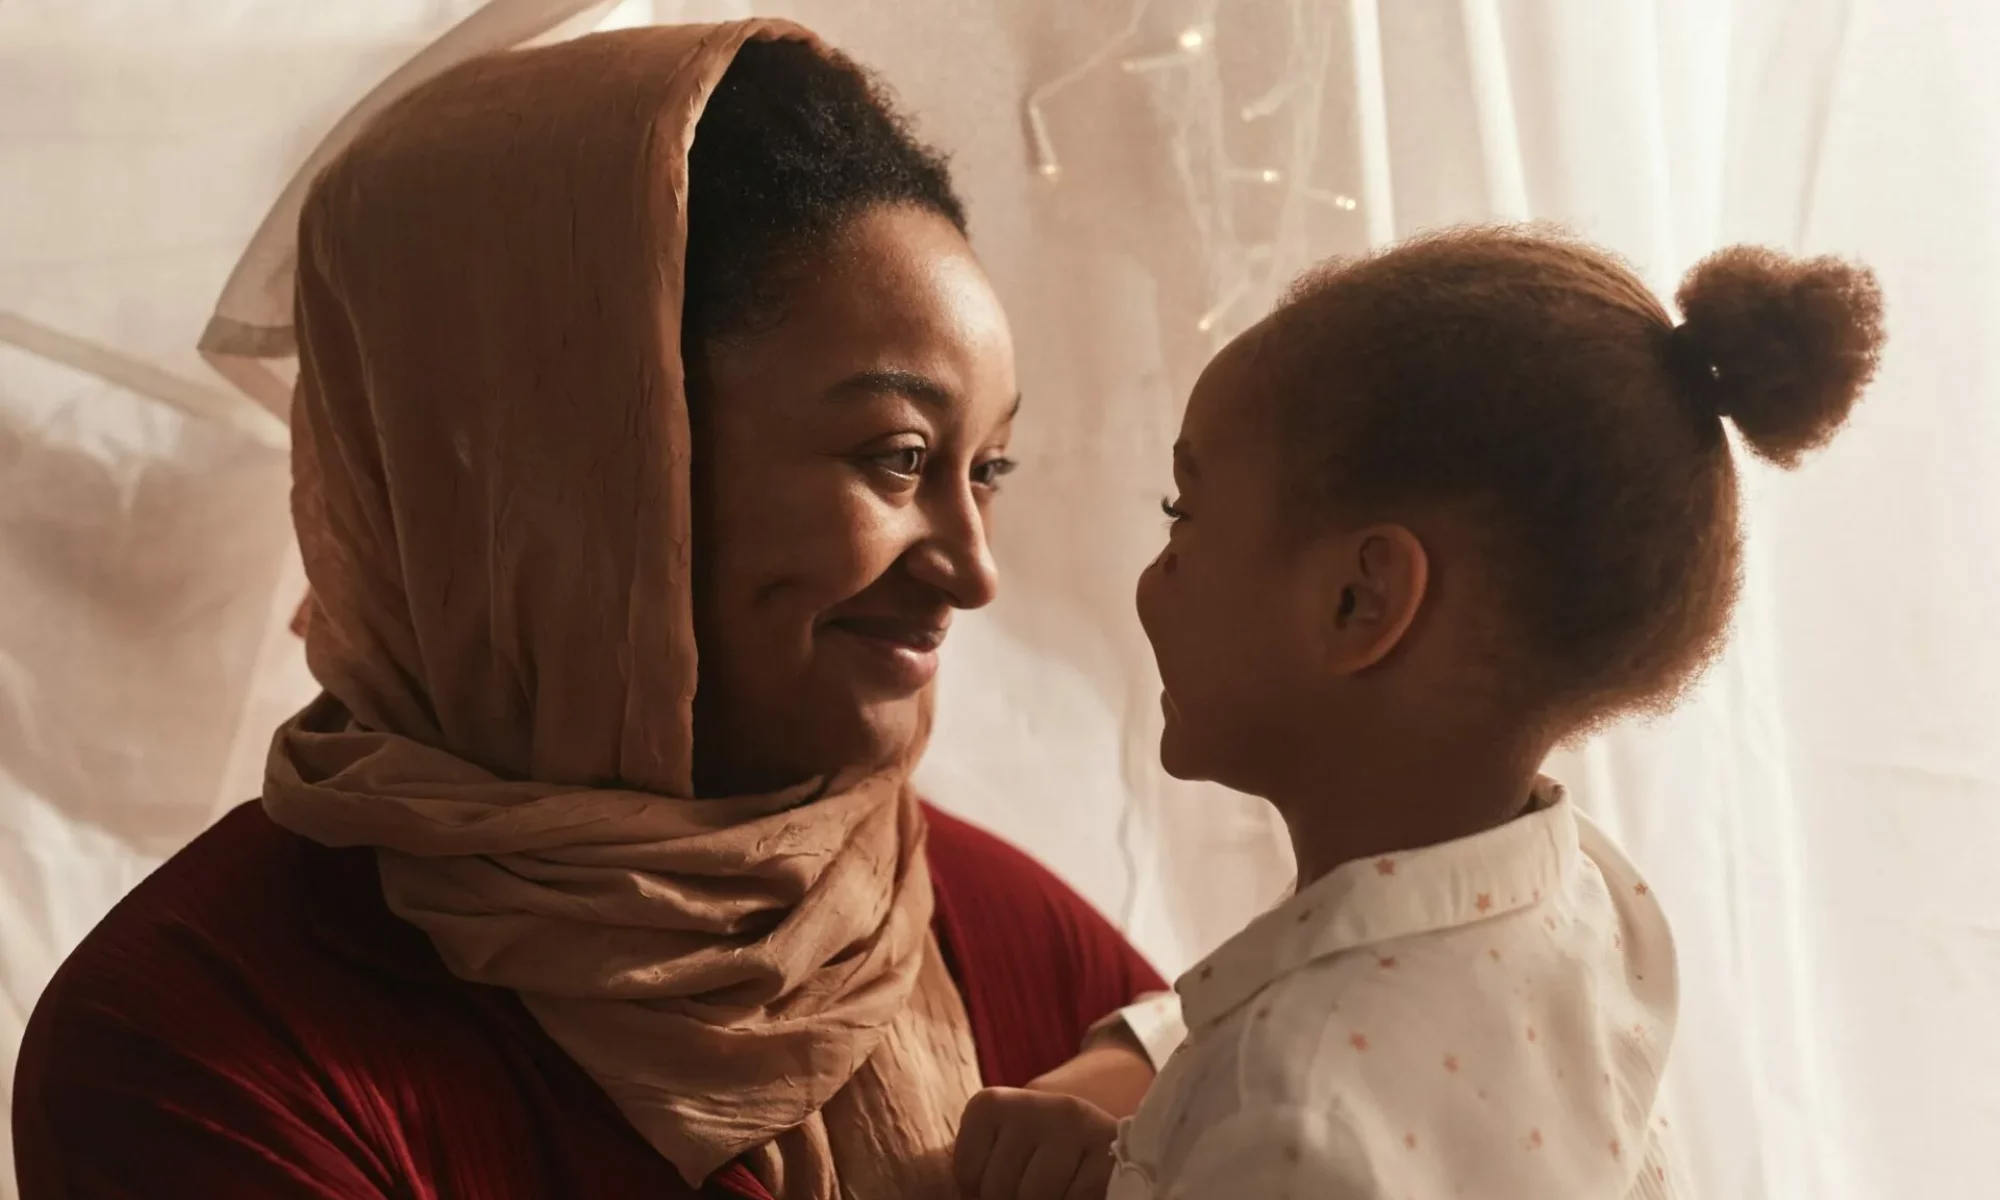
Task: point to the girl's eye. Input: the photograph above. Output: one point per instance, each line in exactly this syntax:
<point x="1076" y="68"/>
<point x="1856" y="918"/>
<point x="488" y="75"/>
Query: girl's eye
<point x="907" y="461"/>
<point x="989" y="473"/>
<point x="1173" y="514"/>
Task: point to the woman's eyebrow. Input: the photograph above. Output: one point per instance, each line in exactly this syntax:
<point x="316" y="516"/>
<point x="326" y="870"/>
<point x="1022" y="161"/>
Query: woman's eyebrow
<point x="890" y="382"/>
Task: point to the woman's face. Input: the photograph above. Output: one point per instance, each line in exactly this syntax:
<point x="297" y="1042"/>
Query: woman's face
<point x="845" y="470"/>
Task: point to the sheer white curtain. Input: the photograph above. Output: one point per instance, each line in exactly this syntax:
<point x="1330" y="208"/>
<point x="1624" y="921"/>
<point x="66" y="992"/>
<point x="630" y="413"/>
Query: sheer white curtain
<point x="1818" y="818"/>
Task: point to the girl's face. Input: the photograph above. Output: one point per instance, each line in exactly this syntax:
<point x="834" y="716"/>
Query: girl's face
<point x="1225" y="602"/>
<point x="845" y="467"/>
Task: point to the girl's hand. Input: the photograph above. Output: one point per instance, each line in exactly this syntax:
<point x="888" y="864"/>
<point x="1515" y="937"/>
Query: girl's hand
<point x="1029" y="1145"/>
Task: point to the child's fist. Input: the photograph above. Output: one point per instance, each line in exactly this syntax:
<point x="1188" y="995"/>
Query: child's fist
<point x="1020" y="1145"/>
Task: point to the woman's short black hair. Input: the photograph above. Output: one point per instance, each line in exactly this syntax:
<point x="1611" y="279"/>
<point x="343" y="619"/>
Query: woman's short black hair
<point x="794" y="143"/>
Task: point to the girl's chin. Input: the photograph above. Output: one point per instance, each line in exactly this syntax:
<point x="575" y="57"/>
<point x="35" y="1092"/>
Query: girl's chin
<point x="1175" y="758"/>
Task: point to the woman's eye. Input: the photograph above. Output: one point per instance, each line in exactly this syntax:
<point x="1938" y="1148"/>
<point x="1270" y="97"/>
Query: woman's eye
<point x="908" y="460"/>
<point x="989" y="473"/>
<point x="1174" y="514"/>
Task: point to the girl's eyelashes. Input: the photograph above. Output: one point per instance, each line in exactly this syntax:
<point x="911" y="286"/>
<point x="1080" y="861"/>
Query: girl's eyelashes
<point x="1174" y="514"/>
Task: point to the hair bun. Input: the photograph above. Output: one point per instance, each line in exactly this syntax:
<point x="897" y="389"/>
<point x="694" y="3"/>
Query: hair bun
<point x="1780" y="346"/>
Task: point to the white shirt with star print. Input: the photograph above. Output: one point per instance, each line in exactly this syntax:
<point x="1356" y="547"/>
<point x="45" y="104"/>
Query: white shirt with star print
<point x="1486" y="1018"/>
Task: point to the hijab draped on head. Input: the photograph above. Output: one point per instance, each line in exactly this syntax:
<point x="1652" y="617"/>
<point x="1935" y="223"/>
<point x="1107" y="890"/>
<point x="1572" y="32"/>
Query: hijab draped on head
<point x="492" y="497"/>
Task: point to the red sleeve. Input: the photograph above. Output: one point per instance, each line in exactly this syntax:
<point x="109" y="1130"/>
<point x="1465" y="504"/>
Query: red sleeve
<point x="1037" y="964"/>
<point x="131" y="1084"/>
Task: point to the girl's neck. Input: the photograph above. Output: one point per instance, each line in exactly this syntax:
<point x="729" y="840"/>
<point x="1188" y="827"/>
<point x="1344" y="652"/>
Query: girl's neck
<point x="1402" y="794"/>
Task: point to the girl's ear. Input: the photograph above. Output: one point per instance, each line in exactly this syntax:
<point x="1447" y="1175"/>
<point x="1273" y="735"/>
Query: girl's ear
<point x="1372" y="582"/>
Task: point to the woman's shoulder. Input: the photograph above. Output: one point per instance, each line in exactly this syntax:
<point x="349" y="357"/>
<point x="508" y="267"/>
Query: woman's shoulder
<point x="233" y="904"/>
<point x="254" y="1015"/>
<point x="977" y="873"/>
<point x="1038" y="966"/>
<point x="226" y="900"/>
<point x="980" y="875"/>
<point x="218" y="958"/>
<point x="962" y="853"/>
<point x="168" y="1007"/>
<point x="252" y="949"/>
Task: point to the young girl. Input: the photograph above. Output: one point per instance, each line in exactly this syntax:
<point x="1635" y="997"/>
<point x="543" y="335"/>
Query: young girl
<point x="1445" y="508"/>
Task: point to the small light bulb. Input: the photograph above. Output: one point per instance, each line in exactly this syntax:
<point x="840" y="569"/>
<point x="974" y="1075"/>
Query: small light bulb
<point x="1267" y="175"/>
<point x="1192" y="39"/>
<point x="1050" y="170"/>
<point x="1206" y="323"/>
<point x="1344" y="203"/>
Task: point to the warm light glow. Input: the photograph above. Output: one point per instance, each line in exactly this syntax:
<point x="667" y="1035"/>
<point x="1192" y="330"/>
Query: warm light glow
<point x="1268" y="175"/>
<point x="1192" y="39"/>
<point x="1045" y="147"/>
<point x="1339" y="200"/>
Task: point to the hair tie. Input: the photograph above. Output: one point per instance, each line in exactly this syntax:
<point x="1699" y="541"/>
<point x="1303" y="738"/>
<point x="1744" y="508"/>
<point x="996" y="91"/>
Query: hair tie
<point x="1693" y="367"/>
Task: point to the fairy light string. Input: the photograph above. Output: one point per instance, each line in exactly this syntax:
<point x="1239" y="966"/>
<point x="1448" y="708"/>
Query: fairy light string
<point x="1252" y="219"/>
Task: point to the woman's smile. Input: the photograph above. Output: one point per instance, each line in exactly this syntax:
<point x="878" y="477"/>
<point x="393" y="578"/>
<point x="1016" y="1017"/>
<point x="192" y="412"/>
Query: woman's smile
<point x="900" y="652"/>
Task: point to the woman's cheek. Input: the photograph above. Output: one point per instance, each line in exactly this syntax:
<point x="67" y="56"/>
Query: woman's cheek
<point x="852" y="542"/>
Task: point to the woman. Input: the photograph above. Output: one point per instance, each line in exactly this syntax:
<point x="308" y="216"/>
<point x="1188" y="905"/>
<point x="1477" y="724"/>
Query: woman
<point x="586" y="390"/>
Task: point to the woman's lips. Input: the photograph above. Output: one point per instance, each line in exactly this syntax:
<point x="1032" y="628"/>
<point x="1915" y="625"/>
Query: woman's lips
<point x="900" y="651"/>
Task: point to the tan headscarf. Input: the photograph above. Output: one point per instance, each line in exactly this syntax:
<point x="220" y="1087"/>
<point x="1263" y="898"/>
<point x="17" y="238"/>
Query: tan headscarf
<point x="491" y="459"/>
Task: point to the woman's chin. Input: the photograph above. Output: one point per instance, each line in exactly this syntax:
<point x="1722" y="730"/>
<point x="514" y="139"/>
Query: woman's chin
<point x="885" y="731"/>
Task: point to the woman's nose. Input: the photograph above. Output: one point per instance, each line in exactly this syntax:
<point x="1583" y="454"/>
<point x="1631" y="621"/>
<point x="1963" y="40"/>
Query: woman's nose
<point x="956" y="557"/>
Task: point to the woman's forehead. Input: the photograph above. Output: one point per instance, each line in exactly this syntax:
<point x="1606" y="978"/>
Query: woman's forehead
<point x="901" y="307"/>
<point x="900" y="272"/>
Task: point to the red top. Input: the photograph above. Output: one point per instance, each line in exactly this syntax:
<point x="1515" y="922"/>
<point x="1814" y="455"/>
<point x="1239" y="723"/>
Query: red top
<point x="253" y="1021"/>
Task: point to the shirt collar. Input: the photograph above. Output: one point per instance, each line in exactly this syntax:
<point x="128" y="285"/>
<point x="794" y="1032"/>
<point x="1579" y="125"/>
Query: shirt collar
<point x="1394" y="896"/>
